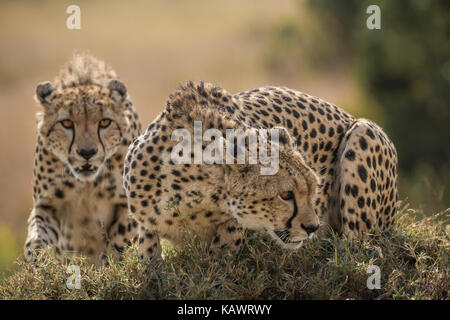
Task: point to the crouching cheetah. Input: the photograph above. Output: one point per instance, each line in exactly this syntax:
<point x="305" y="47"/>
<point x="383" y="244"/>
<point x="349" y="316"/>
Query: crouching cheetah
<point x="334" y="170"/>
<point x="84" y="130"/>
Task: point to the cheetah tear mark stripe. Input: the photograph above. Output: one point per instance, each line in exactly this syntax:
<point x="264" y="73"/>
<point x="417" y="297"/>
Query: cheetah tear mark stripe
<point x="294" y="214"/>
<point x="98" y="131"/>
<point x="73" y="132"/>
<point x="120" y="130"/>
<point x="73" y="139"/>
<point x="51" y="129"/>
<point x="100" y="139"/>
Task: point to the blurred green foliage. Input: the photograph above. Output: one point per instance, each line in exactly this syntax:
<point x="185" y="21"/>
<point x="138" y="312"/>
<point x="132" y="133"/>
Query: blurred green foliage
<point x="403" y="70"/>
<point x="9" y="250"/>
<point x="406" y="68"/>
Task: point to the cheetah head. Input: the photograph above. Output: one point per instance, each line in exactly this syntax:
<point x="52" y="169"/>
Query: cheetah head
<point x="280" y="204"/>
<point x="84" y="125"/>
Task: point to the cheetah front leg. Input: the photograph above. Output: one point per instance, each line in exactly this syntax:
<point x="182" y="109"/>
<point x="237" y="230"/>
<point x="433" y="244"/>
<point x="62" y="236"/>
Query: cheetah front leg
<point x="229" y="234"/>
<point x="122" y="231"/>
<point x="125" y="229"/>
<point x="43" y="231"/>
<point x="149" y="245"/>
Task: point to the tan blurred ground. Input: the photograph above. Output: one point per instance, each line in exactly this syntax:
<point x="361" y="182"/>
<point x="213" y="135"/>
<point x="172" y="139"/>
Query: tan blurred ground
<point x="153" y="45"/>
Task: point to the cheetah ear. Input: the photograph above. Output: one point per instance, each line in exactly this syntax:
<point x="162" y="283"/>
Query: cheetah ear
<point x="117" y="89"/>
<point x="44" y="92"/>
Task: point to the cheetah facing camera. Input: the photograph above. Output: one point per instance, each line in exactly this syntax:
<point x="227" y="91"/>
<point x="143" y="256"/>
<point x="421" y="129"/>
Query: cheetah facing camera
<point x="84" y="130"/>
<point x="334" y="171"/>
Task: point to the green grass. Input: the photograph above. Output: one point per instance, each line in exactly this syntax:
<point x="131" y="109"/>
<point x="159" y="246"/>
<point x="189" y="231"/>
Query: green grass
<point x="413" y="258"/>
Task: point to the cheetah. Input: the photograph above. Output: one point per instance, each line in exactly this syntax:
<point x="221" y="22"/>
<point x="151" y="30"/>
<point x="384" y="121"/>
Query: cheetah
<point x="83" y="131"/>
<point x="335" y="172"/>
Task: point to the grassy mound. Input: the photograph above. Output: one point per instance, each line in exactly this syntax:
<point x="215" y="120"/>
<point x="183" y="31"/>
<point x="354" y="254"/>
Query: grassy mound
<point x="413" y="258"/>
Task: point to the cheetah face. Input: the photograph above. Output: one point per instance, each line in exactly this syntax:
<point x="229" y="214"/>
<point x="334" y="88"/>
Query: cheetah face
<point x="82" y="126"/>
<point x="281" y="205"/>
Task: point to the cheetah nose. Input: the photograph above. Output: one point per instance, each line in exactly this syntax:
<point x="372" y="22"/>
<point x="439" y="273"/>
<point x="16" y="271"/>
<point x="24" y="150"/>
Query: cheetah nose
<point x="87" y="153"/>
<point x="310" y="228"/>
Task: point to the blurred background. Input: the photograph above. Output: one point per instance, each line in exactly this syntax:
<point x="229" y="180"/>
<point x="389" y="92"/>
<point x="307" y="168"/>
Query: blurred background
<point x="398" y="76"/>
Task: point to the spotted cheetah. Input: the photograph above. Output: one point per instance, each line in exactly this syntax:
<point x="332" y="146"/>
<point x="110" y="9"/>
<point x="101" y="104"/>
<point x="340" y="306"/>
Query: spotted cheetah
<point x="83" y="132"/>
<point x="335" y="171"/>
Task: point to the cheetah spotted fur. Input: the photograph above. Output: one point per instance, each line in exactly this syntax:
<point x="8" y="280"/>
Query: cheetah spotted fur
<point x="84" y="130"/>
<point x="337" y="172"/>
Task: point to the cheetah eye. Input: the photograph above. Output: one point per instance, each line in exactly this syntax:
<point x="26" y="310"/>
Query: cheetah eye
<point x="288" y="195"/>
<point x="104" y="123"/>
<point x="68" y="124"/>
